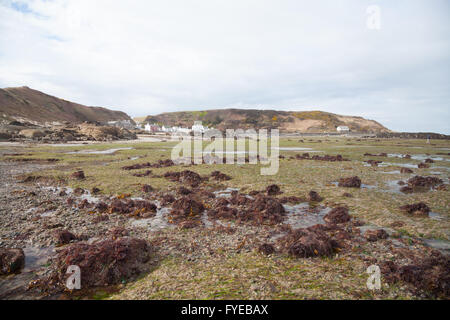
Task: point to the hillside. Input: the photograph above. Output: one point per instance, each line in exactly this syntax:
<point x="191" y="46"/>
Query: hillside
<point x="25" y="104"/>
<point x="287" y="121"/>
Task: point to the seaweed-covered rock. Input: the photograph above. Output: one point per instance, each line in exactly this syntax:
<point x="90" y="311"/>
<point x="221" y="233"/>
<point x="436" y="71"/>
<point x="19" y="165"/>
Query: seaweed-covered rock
<point x="337" y="215"/>
<point x="308" y="242"/>
<point x="406" y="170"/>
<point x="63" y="237"/>
<point x="351" y="182"/>
<point x="375" y="235"/>
<point x="104" y="263"/>
<point x="79" y="175"/>
<point x="187" y="207"/>
<point x="188" y="177"/>
<point x="147" y="188"/>
<point x="273" y="190"/>
<point x="266" y="248"/>
<point x="314" y="196"/>
<point x="428" y="275"/>
<point x="424" y="182"/>
<point x="11" y="260"/>
<point x="416" y="209"/>
<point x="217" y="175"/>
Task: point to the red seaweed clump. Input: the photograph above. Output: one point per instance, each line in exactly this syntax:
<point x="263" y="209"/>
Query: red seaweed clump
<point x="63" y="237"/>
<point x="104" y="263"/>
<point x="416" y="209"/>
<point x="79" y="175"/>
<point x="188" y="177"/>
<point x="273" y="190"/>
<point x="427" y="275"/>
<point x="406" y="170"/>
<point x="337" y="215"/>
<point x="351" y="182"/>
<point x="11" y="260"/>
<point x="139" y="208"/>
<point x="314" y="196"/>
<point x="375" y="235"/>
<point x="308" y="242"/>
<point x="217" y="175"/>
<point x="419" y="182"/>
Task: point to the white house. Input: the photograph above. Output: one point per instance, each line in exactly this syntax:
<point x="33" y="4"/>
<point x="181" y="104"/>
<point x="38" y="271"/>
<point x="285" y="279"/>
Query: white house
<point x="198" y="127"/>
<point x="342" y="129"/>
<point x="152" y="127"/>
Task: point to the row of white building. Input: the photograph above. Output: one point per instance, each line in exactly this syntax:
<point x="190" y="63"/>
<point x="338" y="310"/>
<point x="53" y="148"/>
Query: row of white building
<point x="197" y="127"/>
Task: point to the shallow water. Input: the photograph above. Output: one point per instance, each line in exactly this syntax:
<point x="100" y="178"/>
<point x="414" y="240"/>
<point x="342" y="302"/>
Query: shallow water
<point x="420" y="157"/>
<point x="302" y="216"/>
<point x="156" y="223"/>
<point x="225" y="193"/>
<point x="15" y="286"/>
<point x="109" y="151"/>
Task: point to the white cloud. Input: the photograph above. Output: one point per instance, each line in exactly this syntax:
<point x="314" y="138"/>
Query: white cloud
<point x="147" y="57"/>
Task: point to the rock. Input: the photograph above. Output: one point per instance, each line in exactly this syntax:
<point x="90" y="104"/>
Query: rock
<point x="11" y="260"/>
<point x="32" y="133"/>
<point x="352" y="182"/>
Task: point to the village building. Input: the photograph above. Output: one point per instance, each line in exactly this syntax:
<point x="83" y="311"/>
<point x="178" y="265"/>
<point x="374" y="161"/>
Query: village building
<point x="342" y="129"/>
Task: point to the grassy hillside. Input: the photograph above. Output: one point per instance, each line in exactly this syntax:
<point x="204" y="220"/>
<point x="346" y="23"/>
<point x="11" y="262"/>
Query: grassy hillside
<point x="290" y="121"/>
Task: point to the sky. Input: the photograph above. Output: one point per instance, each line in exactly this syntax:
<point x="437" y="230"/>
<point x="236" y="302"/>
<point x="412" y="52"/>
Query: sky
<point x="146" y="57"/>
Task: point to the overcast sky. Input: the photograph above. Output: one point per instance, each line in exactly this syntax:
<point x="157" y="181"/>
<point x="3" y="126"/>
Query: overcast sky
<point x="147" y="57"/>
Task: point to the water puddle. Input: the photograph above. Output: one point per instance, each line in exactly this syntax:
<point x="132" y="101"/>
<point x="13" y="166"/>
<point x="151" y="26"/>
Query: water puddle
<point x="363" y="186"/>
<point x="156" y="223"/>
<point x="441" y="245"/>
<point x="420" y="157"/>
<point x="109" y="151"/>
<point x="303" y="216"/>
<point x="15" y="286"/>
<point x="69" y="191"/>
<point x="390" y="164"/>
<point x="225" y="193"/>
<point x="391" y="172"/>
